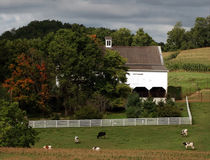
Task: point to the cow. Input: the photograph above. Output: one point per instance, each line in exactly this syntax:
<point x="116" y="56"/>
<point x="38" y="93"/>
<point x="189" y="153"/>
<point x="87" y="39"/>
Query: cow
<point x="47" y="147"/>
<point x="96" y="148"/>
<point x="189" y="144"/>
<point x="101" y="134"/>
<point x="184" y="132"/>
<point x="76" y="139"/>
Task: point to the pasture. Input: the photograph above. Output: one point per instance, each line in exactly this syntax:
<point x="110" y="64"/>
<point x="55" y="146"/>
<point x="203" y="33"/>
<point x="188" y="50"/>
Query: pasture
<point x="189" y="81"/>
<point x="163" y="142"/>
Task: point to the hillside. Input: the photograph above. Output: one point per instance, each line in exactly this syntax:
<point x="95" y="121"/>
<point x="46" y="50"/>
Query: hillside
<point x="196" y="56"/>
<point x="189" y="69"/>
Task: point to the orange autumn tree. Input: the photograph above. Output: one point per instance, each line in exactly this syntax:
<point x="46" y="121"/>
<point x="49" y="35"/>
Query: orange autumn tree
<point x="28" y="84"/>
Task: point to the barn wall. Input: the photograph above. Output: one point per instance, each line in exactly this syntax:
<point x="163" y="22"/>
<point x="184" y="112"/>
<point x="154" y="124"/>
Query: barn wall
<point x="148" y="79"/>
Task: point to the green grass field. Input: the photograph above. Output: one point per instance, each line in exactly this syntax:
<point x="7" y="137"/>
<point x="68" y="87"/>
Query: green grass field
<point x="189" y="81"/>
<point x="140" y="137"/>
<point x="164" y="141"/>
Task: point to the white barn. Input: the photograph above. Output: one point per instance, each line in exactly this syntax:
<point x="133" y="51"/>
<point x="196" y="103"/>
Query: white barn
<point x="147" y="74"/>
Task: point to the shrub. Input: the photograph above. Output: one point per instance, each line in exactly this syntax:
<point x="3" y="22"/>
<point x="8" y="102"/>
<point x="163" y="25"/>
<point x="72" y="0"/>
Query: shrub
<point x="88" y="112"/>
<point x="175" y="92"/>
<point x="137" y="107"/>
<point x="133" y="100"/>
<point x="173" y="55"/>
<point x="168" y="111"/>
<point x="133" y="112"/>
<point x="14" y="128"/>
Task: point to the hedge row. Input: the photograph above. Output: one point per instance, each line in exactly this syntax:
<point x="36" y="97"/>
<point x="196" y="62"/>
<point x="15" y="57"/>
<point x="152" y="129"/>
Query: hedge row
<point x="173" y="55"/>
<point x="188" y="67"/>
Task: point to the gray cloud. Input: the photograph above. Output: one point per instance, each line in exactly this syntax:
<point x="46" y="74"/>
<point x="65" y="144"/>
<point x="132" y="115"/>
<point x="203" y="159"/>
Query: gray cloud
<point x="157" y="17"/>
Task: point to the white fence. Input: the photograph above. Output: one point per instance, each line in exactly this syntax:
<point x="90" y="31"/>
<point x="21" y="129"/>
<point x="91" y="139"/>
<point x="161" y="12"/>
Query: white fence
<point x="188" y="110"/>
<point x="113" y="122"/>
<point x="110" y="122"/>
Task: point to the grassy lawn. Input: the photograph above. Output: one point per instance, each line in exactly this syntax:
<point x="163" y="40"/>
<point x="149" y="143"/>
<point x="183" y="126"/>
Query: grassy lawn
<point x="200" y="96"/>
<point x="140" y="137"/>
<point x="189" y="81"/>
<point x="163" y="142"/>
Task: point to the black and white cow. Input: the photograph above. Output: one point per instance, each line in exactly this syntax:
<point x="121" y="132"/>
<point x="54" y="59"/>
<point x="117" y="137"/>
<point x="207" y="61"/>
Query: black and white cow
<point x="184" y="132"/>
<point x="96" y="148"/>
<point x="189" y="144"/>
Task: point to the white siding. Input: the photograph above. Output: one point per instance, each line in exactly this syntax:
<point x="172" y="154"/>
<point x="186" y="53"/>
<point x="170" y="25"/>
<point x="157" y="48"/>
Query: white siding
<point x="148" y="79"/>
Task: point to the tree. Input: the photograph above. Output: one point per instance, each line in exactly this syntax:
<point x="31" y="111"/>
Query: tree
<point x="175" y="37"/>
<point x="201" y="32"/>
<point x="28" y="83"/>
<point x="142" y="39"/>
<point x="76" y="60"/>
<point x="82" y="68"/>
<point x="113" y="72"/>
<point x="14" y="127"/>
<point x="122" y="37"/>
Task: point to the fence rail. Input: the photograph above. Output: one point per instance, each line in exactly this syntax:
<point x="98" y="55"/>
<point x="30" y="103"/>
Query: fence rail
<point x="113" y="122"/>
<point x="109" y="122"/>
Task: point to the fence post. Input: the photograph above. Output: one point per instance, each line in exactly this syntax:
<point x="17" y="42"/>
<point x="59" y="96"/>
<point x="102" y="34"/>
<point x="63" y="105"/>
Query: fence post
<point x="79" y="123"/>
<point x="33" y="124"/>
<point x="67" y="123"/>
<point x="146" y="121"/>
<point x="90" y="123"/>
<point x="45" y="124"/>
<point x="123" y="122"/>
<point x="179" y="120"/>
<point x="157" y="121"/>
<point x="56" y="123"/>
<point x="135" y="122"/>
<point x="188" y="110"/>
<point x="168" y="121"/>
<point x="101" y="123"/>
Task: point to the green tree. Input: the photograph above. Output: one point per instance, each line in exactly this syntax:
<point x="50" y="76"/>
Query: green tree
<point x="14" y="127"/>
<point x="142" y="39"/>
<point x="76" y="59"/>
<point x="201" y="32"/>
<point x="122" y="37"/>
<point x="82" y="68"/>
<point x="112" y="72"/>
<point x="175" y="37"/>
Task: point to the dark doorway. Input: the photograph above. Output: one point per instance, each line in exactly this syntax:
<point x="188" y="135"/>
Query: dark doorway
<point x="157" y="92"/>
<point x="142" y="91"/>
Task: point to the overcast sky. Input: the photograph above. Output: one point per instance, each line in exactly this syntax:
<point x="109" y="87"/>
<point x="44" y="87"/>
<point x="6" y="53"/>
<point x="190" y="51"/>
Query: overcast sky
<point x="156" y="17"/>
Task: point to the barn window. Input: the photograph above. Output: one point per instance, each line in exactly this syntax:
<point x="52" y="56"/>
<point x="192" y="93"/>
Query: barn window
<point x="142" y="91"/>
<point x="157" y="92"/>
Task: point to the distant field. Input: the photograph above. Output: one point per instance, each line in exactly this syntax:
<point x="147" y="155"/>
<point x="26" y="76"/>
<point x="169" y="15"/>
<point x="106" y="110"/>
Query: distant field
<point x="200" y="96"/>
<point x="140" y="142"/>
<point x="189" y="81"/>
<point x="200" y="55"/>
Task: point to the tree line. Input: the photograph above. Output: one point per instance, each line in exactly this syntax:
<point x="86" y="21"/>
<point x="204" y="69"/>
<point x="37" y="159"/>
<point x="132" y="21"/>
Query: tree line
<point x="62" y="71"/>
<point x="198" y="36"/>
<point x="177" y="39"/>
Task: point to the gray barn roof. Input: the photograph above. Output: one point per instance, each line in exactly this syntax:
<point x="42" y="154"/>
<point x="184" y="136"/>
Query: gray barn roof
<point x="142" y="58"/>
